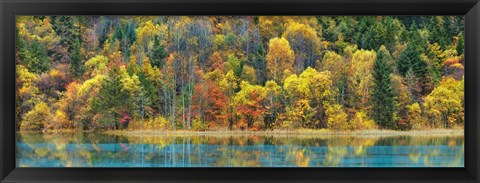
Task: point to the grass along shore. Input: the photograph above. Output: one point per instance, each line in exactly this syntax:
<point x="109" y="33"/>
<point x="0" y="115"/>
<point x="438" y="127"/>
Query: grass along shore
<point x="306" y="132"/>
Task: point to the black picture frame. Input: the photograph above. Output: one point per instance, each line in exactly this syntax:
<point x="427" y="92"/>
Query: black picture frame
<point x="11" y="8"/>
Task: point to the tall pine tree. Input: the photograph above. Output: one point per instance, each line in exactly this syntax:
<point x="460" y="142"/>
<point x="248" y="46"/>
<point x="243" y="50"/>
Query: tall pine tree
<point x="383" y="95"/>
<point x="410" y="59"/>
<point x="76" y="59"/>
<point x="110" y="100"/>
<point x="158" y="53"/>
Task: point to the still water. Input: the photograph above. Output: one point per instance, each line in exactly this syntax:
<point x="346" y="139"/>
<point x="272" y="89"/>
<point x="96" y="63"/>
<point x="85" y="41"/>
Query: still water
<point x="99" y="150"/>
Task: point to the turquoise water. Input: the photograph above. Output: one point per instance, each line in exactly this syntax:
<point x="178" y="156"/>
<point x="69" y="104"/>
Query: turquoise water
<point x="98" y="150"/>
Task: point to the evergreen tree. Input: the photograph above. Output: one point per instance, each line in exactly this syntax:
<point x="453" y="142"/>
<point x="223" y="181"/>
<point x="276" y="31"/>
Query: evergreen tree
<point x="110" y="100"/>
<point x="383" y="95"/>
<point x="36" y="58"/>
<point x="410" y="59"/>
<point x="65" y="27"/>
<point x="157" y="53"/>
<point x="460" y="44"/>
<point x="76" y="59"/>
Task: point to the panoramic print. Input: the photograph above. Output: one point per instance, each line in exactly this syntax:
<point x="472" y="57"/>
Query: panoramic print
<point x="239" y="91"/>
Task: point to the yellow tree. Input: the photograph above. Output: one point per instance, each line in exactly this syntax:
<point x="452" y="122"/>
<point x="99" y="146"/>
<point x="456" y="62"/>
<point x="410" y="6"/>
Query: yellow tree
<point x="338" y="67"/>
<point x="305" y="42"/>
<point x="279" y="58"/>
<point x="315" y="88"/>
<point x="248" y="102"/>
<point x="360" y="79"/>
<point x="445" y="103"/>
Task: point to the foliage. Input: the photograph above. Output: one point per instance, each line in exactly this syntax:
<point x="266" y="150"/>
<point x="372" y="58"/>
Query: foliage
<point x="37" y="119"/>
<point x="337" y="118"/>
<point x="445" y="104"/>
<point x="383" y="104"/>
<point x="239" y="72"/>
<point x="279" y="59"/>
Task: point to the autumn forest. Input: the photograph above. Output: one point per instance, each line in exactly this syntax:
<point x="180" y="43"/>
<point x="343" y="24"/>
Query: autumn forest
<point x="240" y="73"/>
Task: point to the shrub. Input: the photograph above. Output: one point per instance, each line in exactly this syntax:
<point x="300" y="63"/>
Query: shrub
<point x="337" y="118"/>
<point x="60" y="121"/>
<point x="198" y="125"/>
<point x="362" y="122"/>
<point x="37" y="118"/>
<point x="156" y="123"/>
<point x="415" y="118"/>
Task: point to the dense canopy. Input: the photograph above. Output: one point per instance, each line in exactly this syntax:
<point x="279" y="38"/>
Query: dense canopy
<point x="239" y="73"/>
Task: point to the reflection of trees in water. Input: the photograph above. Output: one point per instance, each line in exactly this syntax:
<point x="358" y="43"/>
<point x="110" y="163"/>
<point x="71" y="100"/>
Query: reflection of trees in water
<point x="85" y="150"/>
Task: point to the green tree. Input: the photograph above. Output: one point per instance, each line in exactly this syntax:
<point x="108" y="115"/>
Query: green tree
<point x="383" y="103"/>
<point x="36" y="58"/>
<point x="158" y="53"/>
<point x="76" y="65"/>
<point x="110" y="101"/>
<point x="410" y="59"/>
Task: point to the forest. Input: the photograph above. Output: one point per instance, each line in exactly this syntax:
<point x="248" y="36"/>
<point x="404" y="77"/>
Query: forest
<point x="211" y="73"/>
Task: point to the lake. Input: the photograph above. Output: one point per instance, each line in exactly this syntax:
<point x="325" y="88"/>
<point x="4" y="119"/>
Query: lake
<point x="100" y="150"/>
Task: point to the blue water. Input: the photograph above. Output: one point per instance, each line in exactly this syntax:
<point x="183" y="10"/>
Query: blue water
<point x="95" y="150"/>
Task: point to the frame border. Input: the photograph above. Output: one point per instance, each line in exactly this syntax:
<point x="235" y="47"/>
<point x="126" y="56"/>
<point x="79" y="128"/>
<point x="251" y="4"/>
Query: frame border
<point x="11" y="8"/>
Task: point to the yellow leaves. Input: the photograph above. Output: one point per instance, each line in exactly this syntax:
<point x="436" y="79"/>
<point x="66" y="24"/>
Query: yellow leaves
<point x="97" y="65"/>
<point x="152" y="72"/>
<point x="337" y="118"/>
<point x="91" y="84"/>
<point x="361" y="74"/>
<point x="219" y="41"/>
<point x="147" y="32"/>
<point x="54" y="73"/>
<point x="40" y="30"/>
<point x="35" y="119"/>
<point x="24" y="76"/>
<point x="247" y="89"/>
<point x="60" y="120"/>
<point x="272" y="88"/>
<point x="131" y="84"/>
<point x="362" y="122"/>
<point x="310" y="83"/>
<point x="415" y="118"/>
<point x="279" y="58"/>
<point x="445" y="102"/>
<point x="229" y="81"/>
<point x="298" y="29"/>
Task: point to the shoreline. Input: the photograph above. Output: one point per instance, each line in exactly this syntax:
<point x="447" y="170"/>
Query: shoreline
<point x="300" y="132"/>
<point x="297" y="132"/>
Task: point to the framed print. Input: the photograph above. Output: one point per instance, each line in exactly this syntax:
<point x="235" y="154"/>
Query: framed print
<point x="202" y="91"/>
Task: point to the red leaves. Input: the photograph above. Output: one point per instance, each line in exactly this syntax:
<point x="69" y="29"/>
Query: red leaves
<point x="209" y="102"/>
<point x="125" y="118"/>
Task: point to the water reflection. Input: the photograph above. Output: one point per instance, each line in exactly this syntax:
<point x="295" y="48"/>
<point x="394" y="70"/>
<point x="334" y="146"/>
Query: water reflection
<point x="99" y="150"/>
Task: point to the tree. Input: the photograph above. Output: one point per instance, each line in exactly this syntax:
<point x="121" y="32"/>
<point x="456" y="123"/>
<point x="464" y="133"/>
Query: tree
<point x="158" y="53"/>
<point x="445" y="104"/>
<point x="360" y="79"/>
<point x="410" y="59"/>
<point x="337" y="118"/>
<point x="215" y="62"/>
<point x="279" y="58"/>
<point x="37" y="118"/>
<point x="110" y="101"/>
<point x="311" y="90"/>
<point x="27" y="93"/>
<point x="383" y="103"/>
<point x="305" y="42"/>
<point x="36" y="59"/>
<point x="273" y="103"/>
<point x="76" y="65"/>
<point x="338" y="67"/>
<point x="248" y="101"/>
<point x="209" y="103"/>
<point x="67" y="29"/>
